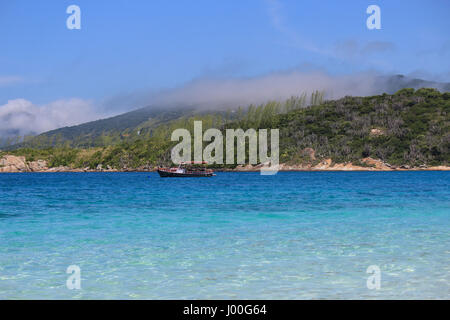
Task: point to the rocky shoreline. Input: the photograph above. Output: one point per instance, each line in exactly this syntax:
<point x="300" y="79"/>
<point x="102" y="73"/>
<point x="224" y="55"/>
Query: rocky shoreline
<point x="328" y="165"/>
<point x="12" y="164"/>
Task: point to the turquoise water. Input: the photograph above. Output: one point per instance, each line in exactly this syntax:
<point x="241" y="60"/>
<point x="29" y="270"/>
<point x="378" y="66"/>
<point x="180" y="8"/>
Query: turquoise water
<point x="295" y="235"/>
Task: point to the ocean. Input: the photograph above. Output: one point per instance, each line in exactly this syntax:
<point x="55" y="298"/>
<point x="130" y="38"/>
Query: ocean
<point x="294" y="235"/>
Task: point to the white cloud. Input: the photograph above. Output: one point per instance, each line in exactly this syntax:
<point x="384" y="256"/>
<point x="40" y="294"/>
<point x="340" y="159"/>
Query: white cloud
<point x="219" y="93"/>
<point x="21" y="117"/>
<point x="213" y="93"/>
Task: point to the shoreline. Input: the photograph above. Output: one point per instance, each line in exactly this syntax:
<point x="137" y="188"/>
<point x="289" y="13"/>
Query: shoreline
<point x="74" y="170"/>
<point x="18" y="164"/>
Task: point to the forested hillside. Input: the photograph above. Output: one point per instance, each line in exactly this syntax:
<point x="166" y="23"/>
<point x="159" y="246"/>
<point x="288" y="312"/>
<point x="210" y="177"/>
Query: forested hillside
<point x="407" y="128"/>
<point x="149" y="122"/>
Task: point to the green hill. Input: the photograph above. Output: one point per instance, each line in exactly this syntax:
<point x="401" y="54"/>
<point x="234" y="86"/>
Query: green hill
<point x="406" y="128"/>
<point x="105" y="131"/>
<point x="141" y="123"/>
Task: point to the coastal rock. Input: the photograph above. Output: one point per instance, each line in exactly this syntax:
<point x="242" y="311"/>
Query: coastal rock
<point x="294" y="167"/>
<point x="37" y="166"/>
<point x="10" y="163"/>
<point x="109" y="169"/>
<point x="248" y="167"/>
<point x="438" y="168"/>
<point x="60" y="169"/>
<point x="323" y="165"/>
<point x="378" y="164"/>
<point x="375" y="164"/>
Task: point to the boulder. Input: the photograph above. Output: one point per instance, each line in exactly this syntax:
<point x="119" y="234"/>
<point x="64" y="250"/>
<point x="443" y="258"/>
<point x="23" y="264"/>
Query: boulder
<point x="37" y="166"/>
<point x="10" y="163"/>
<point x="376" y="132"/>
<point x="323" y="165"/>
<point x="376" y="163"/>
<point x="59" y="169"/>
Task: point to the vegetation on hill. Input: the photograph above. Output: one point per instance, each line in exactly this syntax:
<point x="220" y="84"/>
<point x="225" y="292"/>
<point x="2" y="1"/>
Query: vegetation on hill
<point x="407" y="128"/>
<point x="147" y="123"/>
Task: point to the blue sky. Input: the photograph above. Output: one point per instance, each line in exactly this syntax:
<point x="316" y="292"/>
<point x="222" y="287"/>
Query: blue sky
<point x="138" y="46"/>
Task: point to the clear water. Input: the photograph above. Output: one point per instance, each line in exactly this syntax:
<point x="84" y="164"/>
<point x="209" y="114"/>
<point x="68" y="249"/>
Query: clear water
<point x="296" y="235"/>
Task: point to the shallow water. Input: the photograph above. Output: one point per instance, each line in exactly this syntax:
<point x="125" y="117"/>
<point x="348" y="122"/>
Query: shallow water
<point x="295" y="235"/>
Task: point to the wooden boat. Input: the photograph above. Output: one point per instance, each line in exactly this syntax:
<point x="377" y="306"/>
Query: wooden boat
<point x="186" y="170"/>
